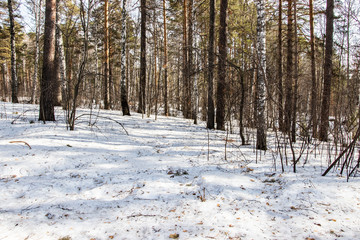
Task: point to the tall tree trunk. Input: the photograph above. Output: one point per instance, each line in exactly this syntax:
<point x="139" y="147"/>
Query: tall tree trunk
<point x="37" y="11"/>
<point x="49" y="71"/>
<point x="190" y="64"/>
<point x="165" y="63"/>
<point x="14" y="80"/>
<point x="58" y="86"/>
<point x="261" y="77"/>
<point x="142" y="98"/>
<point x="221" y="84"/>
<point x="185" y="73"/>
<point x="280" y="72"/>
<point x="123" y="90"/>
<point x="106" y="56"/>
<point x="62" y="69"/>
<point x="289" y="68"/>
<point x="325" y="106"/>
<point x="314" y="92"/>
<point x="296" y="77"/>
<point x="211" y="111"/>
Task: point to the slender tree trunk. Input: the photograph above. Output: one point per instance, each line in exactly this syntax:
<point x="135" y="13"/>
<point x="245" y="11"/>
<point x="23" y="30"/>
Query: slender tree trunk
<point x="190" y="64"/>
<point x="325" y="106"/>
<point x="296" y="77"/>
<point x="314" y="92"/>
<point x="221" y="84"/>
<point x="261" y="77"/>
<point x="58" y="86"/>
<point x="4" y="78"/>
<point x="280" y="72"/>
<point x="106" y="55"/>
<point x="123" y="90"/>
<point x="37" y="11"/>
<point x="289" y="69"/>
<point x="85" y="18"/>
<point x="185" y="74"/>
<point x="195" y="92"/>
<point x="211" y="58"/>
<point x="142" y="105"/>
<point x="165" y="63"/>
<point x="62" y="69"/>
<point x="14" y="80"/>
<point x="49" y="72"/>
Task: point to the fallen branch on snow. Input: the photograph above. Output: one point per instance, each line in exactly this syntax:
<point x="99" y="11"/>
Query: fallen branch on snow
<point x="21" y="142"/>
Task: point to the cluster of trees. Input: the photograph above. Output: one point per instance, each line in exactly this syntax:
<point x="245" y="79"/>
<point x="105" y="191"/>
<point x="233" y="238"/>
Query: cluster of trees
<point x="286" y="65"/>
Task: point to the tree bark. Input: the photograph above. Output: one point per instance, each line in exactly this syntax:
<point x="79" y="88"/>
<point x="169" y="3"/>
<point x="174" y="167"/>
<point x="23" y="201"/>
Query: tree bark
<point x="211" y="56"/>
<point x="185" y="73"/>
<point x="261" y="77"/>
<point x="142" y="105"/>
<point x="14" y="80"/>
<point x="325" y="106"/>
<point x="313" y="116"/>
<point x="280" y="72"/>
<point x="106" y="56"/>
<point x="289" y="69"/>
<point x="123" y="90"/>
<point x="221" y="84"/>
<point x="49" y="75"/>
<point x="4" y="78"/>
<point x="296" y="78"/>
<point x="37" y="11"/>
<point x="165" y="63"/>
<point x="190" y="63"/>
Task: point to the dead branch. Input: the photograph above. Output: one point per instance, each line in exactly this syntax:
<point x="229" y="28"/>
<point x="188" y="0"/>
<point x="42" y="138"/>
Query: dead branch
<point x="108" y="118"/>
<point x="21" y="142"/>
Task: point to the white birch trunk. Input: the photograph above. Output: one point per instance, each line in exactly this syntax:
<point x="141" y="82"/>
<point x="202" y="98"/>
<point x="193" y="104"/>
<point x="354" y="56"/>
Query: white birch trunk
<point x="261" y="77"/>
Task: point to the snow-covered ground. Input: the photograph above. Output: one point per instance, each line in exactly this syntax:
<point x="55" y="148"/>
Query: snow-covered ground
<point x="168" y="178"/>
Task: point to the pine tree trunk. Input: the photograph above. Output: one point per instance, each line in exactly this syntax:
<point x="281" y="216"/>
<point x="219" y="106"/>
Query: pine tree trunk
<point x="211" y="57"/>
<point x="49" y="76"/>
<point x="142" y="105"/>
<point x="325" y="106"/>
<point x="123" y="90"/>
<point x="14" y="80"/>
<point x="221" y="84"/>
<point x="260" y="81"/>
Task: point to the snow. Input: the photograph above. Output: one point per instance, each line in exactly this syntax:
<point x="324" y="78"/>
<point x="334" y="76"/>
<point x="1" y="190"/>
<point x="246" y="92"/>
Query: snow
<point x="98" y="183"/>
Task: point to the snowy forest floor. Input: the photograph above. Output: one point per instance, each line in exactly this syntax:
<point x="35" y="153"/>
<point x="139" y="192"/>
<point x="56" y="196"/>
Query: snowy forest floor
<point x="161" y="181"/>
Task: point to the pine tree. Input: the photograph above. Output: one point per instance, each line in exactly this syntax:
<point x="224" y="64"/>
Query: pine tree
<point x="49" y="75"/>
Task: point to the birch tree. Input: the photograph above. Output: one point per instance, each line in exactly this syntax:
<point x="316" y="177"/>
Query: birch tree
<point x="165" y="62"/>
<point x="37" y="5"/>
<point x="261" y="76"/>
<point x="124" y="100"/>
